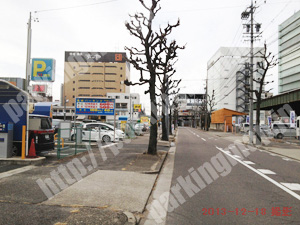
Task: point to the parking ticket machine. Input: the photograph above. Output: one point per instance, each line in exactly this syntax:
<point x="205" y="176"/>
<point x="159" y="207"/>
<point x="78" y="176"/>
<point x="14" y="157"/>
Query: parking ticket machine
<point x="6" y="139"/>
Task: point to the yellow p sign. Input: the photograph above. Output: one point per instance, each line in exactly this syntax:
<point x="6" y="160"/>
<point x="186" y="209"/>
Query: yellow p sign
<point x="38" y="67"/>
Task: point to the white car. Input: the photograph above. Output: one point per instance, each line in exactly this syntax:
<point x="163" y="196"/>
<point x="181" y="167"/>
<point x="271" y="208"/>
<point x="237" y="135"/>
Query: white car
<point x="91" y="131"/>
<point x="119" y="132"/>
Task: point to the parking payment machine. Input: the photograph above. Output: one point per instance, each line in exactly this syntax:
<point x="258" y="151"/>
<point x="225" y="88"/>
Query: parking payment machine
<point x="6" y="139"/>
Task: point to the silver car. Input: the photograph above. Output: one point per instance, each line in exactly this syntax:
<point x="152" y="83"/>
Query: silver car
<point x="281" y="130"/>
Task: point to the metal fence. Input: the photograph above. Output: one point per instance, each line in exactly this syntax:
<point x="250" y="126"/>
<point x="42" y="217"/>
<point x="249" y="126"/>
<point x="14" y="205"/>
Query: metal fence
<point x="70" y="142"/>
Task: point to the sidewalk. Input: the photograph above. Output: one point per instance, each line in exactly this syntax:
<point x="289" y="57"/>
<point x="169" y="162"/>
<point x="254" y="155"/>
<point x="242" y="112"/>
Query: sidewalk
<point x="116" y="184"/>
<point x="287" y="147"/>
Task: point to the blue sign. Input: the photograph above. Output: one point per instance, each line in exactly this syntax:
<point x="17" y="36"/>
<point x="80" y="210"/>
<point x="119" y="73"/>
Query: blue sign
<point x="123" y="118"/>
<point x="43" y="70"/>
<point x="95" y="106"/>
<point x="247" y="119"/>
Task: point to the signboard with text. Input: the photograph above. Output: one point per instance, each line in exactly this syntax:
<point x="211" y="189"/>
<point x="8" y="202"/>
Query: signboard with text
<point x="95" y="106"/>
<point x="37" y="88"/>
<point x="43" y="70"/>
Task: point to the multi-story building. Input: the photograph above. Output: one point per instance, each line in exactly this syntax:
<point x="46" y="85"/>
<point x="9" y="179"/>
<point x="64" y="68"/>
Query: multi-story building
<point x="18" y="82"/>
<point x="189" y="108"/>
<point x="289" y="58"/>
<point x="228" y="74"/>
<point x="125" y="105"/>
<point x="94" y="74"/>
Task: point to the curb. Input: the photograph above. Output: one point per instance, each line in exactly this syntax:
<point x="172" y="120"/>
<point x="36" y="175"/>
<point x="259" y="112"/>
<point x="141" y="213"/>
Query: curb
<point x="159" y="169"/>
<point x="131" y="219"/>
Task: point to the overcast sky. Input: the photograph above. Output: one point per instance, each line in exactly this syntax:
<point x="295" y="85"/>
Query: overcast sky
<point x="205" y="27"/>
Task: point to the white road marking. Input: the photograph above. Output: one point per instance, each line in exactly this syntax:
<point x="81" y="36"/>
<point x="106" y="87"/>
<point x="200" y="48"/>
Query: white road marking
<point x="264" y="171"/>
<point x="286" y="159"/>
<point x="203" y="139"/>
<point x="198" y="136"/>
<point x="295" y="195"/>
<point x="273" y="154"/>
<point x="228" y="152"/>
<point x="249" y="162"/>
<point x="292" y="186"/>
<point x="16" y="171"/>
<point x="237" y="156"/>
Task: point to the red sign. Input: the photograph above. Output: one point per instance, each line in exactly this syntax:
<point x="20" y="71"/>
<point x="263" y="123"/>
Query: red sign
<point x="39" y="88"/>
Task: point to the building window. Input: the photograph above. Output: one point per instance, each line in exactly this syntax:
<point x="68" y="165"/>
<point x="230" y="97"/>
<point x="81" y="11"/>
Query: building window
<point x="73" y="96"/>
<point x="117" y="97"/>
<point x="84" y="73"/>
<point x="84" y="88"/>
<point x="111" y="66"/>
<point x="84" y="80"/>
<point x="73" y="74"/>
<point x="121" y="68"/>
<point x="97" y="88"/>
<point x="73" y="89"/>
<point x="84" y="66"/>
<point x="110" y="74"/>
<point x="110" y="81"/>
<point x="73" y="104"/>
<point x="60" y="110"/>
<point x="84" y="95"/>
<point x="73" y="82"/>
<point x="126" y="97"/>
<point x="110" y="88"/>
<point x="97" y="80"/>
<point x="121" y="75"/>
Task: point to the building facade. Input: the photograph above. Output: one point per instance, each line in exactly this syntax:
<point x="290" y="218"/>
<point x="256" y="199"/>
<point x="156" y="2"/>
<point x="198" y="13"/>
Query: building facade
<point x="125" y="103"/>
<point x="94" y="74"/>
<point x="18" y="82"/>
<point x="227" y="76"/>
<point x="189" y="108"/>
<point x="288" y="55"/>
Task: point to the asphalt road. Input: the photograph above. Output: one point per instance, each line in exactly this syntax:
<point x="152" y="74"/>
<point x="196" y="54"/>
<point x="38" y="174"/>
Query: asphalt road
<point x="213" y="183"/>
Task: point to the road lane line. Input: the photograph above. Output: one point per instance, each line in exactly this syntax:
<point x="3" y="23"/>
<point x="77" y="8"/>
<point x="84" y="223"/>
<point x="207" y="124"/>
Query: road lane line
<point x="16" y="171"/>
<point x="292" y="186"/>
<point x="249" y="162"/>
<point x="263" y="175"/>
<point x="264" y="171"/>
<point x="203" y="139"/>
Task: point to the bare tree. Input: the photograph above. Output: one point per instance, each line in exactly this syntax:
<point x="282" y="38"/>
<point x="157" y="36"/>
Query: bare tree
<point x="148" y="60"/>
<point x="209" y="106"/>
<point x="167" y="85"/>
<point x="268" y="62"/>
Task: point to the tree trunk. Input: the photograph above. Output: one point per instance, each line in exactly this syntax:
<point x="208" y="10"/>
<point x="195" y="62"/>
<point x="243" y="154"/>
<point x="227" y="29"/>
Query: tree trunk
<point x="165" y="127"/>
<point x="152" y="147"/>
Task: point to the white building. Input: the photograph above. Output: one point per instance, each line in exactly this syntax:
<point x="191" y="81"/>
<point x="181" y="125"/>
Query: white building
<point x="289" y="58"/>
<point x="125" y="105"/>
<point x="227" y="84"/>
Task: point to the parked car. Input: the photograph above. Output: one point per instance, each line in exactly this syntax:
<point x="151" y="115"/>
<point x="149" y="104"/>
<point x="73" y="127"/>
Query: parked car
<point x="264" y="129"/>
<point x="55" y="124"/>
<point x="41" y="131"/>
<point x="281" y="130"/>
<point x="107" y="126"/>
<point x="94" y="132"/>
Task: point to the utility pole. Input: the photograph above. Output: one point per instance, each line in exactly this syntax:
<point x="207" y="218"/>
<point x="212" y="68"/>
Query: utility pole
<point x="245" y="15"/>
<point x="251" y="77"/>
<point x="28" y="56"/>
<point x="206" y="112"/>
